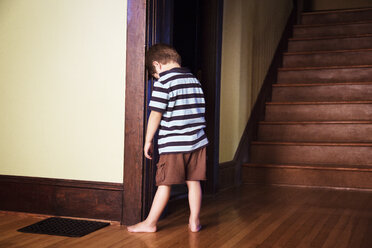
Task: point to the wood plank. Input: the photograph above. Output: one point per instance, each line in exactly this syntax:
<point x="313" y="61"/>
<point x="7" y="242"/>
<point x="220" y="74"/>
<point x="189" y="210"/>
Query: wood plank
<point x="86" y="199"/>
<point x="250" y="216"/>
<point x="132" y="210"/>
<point x="327" y="51"/>
<point x="331" y="24"/>
<point x="324" y="12"/>
<point x="331" y="37"/>
<point x="324" y="67"/>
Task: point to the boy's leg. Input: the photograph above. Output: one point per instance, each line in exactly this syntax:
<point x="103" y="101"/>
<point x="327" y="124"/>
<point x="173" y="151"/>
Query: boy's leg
<point x="195" y="199"/>
<point x="157" y="207"/>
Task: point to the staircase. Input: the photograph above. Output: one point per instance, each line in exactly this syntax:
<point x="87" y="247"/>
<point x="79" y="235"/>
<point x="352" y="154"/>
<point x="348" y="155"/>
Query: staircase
<point x="318" y="128"/>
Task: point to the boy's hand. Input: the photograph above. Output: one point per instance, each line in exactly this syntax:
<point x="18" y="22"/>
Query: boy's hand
<point x="148" y="150"/>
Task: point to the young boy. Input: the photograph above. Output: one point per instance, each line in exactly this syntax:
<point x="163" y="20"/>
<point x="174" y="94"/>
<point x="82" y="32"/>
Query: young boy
<point x="177" y="108"/>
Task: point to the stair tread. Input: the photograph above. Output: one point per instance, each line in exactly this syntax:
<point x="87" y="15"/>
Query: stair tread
<point x="332" y="24"/>
<point x="319" y="84"/>
<point x="322" y="12"/>
<point x="312" y="122"/>
<point x="319" y="103"/>
<point x="324" y="67"/>
<point x="327" y="51"/>
<point x="367" y="168"/>
<point x="330" y="37"/>
<point x="354" y="144"/>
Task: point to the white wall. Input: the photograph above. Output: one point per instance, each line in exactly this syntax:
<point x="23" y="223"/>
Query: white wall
<point x="62" y="82"/>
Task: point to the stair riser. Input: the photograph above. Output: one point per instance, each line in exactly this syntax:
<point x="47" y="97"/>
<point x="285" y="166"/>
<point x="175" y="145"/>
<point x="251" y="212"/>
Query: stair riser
<point x="328" y="59"/>
<point x="333" y="30"/>
<point x="304" y="177"/>
<point x="330" y="44"/>
<point x="293" y="154"/>
<point x="339" y="17"/>
<point x="325" y="75"/>
<point x="316" y="133"/>
<point x="322" y="93"/>
<point x="336" y="112"/>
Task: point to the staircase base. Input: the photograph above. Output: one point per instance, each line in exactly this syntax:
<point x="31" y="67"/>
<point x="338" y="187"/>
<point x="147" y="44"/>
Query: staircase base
<point x="327" y="176"/>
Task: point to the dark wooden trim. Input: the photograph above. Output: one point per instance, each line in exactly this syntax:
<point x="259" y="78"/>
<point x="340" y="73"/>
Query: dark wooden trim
<point x="226" y="175"/>
<point x="210" y="52"/>
<point x="242" y="154"/>
<point x="134" y="112"/>
<point x="74" y="198"/>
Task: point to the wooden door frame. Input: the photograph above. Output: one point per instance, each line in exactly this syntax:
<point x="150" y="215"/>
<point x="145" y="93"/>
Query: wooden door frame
<point x="135" y="111"/>
<point x="210" y="52"/>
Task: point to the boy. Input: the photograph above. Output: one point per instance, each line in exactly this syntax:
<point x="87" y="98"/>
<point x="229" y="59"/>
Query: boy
<point x="177" y="108"/>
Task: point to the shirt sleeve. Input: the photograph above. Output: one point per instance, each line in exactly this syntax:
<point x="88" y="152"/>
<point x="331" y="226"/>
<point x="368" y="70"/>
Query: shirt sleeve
<point x="159" y="98"/>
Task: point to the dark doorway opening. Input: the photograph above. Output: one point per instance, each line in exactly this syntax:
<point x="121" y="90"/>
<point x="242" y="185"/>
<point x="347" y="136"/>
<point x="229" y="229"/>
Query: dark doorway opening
<point x="194" y="28"/>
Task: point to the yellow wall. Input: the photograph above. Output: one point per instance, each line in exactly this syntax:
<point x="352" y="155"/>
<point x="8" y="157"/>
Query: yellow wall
<point x="339" y="4"/>
<point x="62" y="76"/>
<point x="251" y="32"/>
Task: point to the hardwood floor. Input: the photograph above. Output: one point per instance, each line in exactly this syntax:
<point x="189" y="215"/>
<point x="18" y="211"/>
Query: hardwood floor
<point x="252" y="216"/>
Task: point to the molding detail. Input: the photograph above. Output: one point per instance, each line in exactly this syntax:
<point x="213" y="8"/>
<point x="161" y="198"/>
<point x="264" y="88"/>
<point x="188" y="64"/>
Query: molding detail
<point x="60" y="197"/>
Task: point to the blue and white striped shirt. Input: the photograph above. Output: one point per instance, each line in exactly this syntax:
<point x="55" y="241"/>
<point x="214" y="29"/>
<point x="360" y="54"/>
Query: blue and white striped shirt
<point x="178" y="95"/>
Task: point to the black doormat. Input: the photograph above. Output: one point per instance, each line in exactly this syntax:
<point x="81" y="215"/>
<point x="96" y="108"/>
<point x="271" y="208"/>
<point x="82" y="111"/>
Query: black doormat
<point x="64" y="227"/>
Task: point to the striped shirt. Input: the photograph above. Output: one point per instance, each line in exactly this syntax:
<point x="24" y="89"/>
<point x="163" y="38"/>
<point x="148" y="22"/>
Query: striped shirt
<point x="178" y="95"/>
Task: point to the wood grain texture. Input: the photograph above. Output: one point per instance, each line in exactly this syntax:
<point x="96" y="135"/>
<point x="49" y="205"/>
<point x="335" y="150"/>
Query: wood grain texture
<point x="250" y="216"/>
<point x="134" y="112"/>
<point x="61" y="197"/>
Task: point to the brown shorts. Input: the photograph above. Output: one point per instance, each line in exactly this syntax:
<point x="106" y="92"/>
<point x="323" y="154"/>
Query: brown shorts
<point x="176" y="168"/>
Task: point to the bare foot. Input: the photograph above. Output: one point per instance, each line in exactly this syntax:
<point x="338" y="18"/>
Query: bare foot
<point x="141" y="227"/>
<point x="195" y="227"/>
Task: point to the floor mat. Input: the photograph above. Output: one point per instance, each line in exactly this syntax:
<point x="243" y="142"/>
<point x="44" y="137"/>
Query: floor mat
<point x="64" y="227"/>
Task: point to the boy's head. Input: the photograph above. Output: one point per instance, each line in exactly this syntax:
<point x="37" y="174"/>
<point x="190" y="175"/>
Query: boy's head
<point x="158" y="55"/>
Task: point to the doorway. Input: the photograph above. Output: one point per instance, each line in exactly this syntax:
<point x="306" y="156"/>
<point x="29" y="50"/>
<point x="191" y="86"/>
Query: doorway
<point x="194" y="29"/>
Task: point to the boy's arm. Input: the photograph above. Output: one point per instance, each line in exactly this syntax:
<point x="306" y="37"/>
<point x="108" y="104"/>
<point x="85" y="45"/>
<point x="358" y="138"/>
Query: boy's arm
<point x="152" y="126"/>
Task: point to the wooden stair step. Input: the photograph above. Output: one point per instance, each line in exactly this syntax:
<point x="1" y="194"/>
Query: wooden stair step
<point x="319" y="84"/>
<point x="331" y="144"/>
<point x="334" y="74"/>
<point x="325" y="67"/>
<point x="320" y="103"/>
<point x="330" y="43"/>
<point x="339" y="167"/>
<point x="319" y="111"/>
<point x="328" y="58"/>
<point x="327" y="51"/>
<point x="313" y="175"/>
<point x="333" y="37"/>
<point x="312" y="122"/>
<point x="331" y="24"/>
<point x="263" y="152"/>
<point x="303" y="31"/>
<point x="341" y="131"/>
<point x="336" y="16"/>
<point x="322" y="92"/>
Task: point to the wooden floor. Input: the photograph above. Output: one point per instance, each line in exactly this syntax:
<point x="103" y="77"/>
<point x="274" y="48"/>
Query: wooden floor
<point x="251" y="216"/>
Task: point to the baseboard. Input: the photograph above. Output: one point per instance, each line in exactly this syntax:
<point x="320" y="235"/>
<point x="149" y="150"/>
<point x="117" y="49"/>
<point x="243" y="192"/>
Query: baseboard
<point x="74" y="198"/>
<point x="227" y="175"/>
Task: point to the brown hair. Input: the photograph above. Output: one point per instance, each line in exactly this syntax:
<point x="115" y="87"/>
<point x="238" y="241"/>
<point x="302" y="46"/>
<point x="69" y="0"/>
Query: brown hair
<point x="161" y="53"/>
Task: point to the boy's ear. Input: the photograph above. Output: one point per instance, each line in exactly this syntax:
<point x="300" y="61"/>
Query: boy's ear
<point x="157" y="65"/>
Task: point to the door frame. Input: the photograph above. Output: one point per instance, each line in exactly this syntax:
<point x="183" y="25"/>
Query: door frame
<point x="135" y="192"/>
<point x="134" y="113"/>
